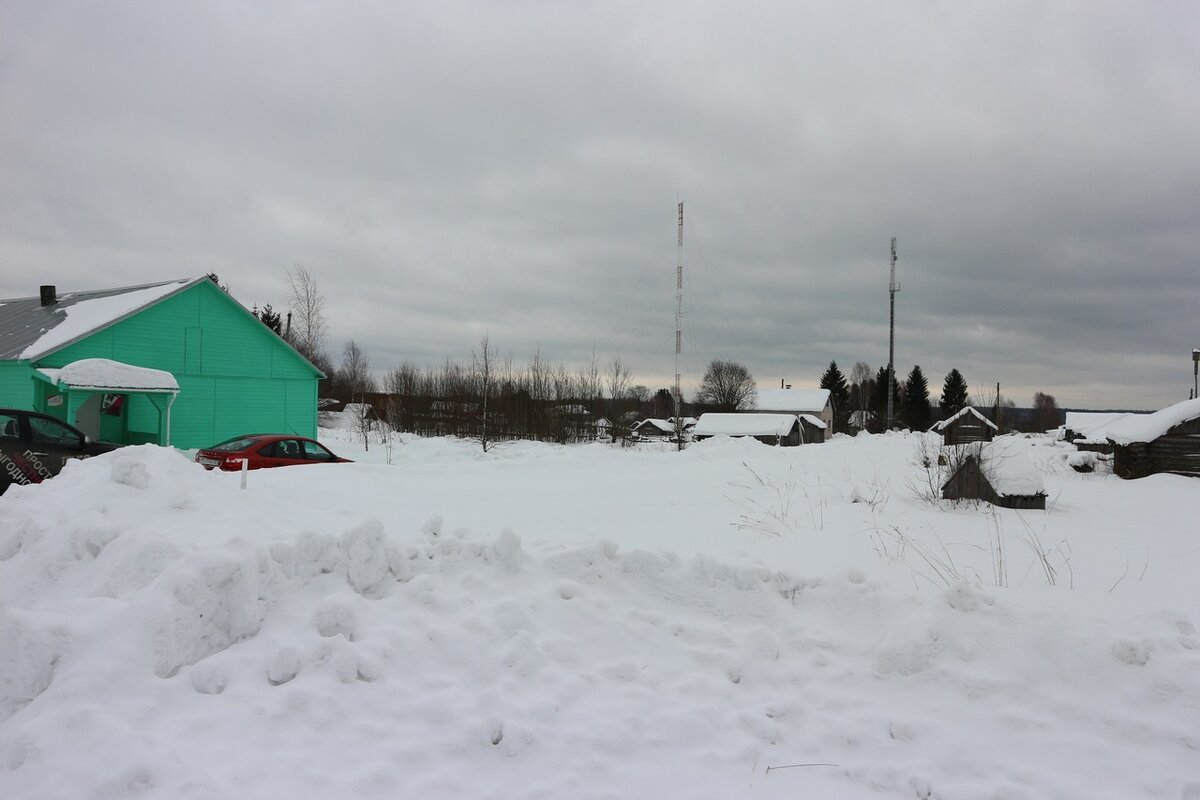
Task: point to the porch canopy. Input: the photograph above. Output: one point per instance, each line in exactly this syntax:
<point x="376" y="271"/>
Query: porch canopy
<point x="83" y="380"/>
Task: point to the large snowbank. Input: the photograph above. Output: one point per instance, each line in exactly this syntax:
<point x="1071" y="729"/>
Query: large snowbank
<point x="592" y="622"/>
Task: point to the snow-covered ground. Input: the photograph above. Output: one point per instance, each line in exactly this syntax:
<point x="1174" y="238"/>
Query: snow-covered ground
<point x="594" y="622"/>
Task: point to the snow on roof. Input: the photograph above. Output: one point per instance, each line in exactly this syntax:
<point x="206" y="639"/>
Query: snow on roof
<point x="1094" y="426"/>
<point x="103" y="373"/>
<point x="660" y="424"/>
<point x="1148" y="427"/>
<point x="810" y="419"/>
<point x="941" y="426"/>
<point x="29" y="330"/>
<point x="1010" y="470"/>
<point x="794" y="400"/>
<point x="745" y="424"/>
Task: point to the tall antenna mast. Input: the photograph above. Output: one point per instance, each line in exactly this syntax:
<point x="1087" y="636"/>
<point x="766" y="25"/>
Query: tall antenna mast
<point x="893" y="287"/>
<point x="678" y="308"/>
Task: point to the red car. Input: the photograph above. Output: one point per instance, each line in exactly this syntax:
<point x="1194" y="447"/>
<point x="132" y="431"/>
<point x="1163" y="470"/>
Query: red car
<point x="266" y="450"/>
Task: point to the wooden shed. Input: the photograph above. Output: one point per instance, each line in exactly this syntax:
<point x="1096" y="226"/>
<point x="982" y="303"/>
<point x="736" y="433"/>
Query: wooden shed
<point x="966" y="427"/>
<point x="653" y="429"/>
<point x="812" y="429"/>
<point x="1166" y="441"/>
<point x="1002" y="476"/>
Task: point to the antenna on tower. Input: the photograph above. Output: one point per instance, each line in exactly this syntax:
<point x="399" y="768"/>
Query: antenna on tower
<point x="678" y="313"/>
<point x="893" y="287"/>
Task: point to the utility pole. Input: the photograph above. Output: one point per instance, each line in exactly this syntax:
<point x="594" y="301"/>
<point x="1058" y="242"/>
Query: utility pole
<point x="1196" y="373"/>
<point x="893" y="287"/>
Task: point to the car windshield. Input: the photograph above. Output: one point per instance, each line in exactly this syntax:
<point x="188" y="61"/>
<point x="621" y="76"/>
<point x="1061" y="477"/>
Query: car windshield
<point x="234" y="445"/>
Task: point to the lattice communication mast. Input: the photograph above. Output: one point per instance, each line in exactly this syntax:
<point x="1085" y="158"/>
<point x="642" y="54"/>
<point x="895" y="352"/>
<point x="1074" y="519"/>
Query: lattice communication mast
<point x="678" y="309"/>
<point x="893" y="287"/>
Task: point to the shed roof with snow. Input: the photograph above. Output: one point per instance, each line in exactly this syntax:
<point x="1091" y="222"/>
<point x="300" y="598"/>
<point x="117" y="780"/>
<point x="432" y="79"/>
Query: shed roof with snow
<point x="1093" y="426"/>
<point x="1136" y="428"/>
<point x="793" y="400"/>
<point x="745" y="424"/>
<point x="1002" y="474"/>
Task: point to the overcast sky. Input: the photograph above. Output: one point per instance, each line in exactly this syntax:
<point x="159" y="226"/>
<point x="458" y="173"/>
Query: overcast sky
<point x="449" y="169"/>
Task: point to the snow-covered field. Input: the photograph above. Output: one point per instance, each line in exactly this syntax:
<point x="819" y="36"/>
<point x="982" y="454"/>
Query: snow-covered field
<point x="591" y="622"/>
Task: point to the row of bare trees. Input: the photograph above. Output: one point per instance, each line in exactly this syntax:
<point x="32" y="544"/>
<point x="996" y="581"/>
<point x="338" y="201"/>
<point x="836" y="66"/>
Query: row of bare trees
<point x="492" y="398"/>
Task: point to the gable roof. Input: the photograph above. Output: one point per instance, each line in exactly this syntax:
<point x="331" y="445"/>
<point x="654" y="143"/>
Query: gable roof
<point x="794" y="400"/>
<point x="658" y="424"/>
<point x="29" y="330"/>
<point x="967" y="410"/>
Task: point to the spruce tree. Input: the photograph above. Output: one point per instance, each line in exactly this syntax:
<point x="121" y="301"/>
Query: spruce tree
<point x="879" y="396"/>
<point x="916" y="400"/>
<point x="954" y="393"/>
<point x="839" y="394"/>
<point x="270" y="317"/>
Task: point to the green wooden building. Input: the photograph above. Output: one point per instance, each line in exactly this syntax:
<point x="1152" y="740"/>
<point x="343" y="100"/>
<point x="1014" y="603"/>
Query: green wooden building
<point x="179" y="362"/>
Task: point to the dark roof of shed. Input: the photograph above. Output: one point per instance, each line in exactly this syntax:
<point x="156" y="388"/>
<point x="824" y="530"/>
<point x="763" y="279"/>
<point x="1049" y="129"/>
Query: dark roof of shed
<point x="24" y="321"/>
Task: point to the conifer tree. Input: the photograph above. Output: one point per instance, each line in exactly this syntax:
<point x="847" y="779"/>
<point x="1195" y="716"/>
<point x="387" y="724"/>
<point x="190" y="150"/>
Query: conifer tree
<point x="916" y="400"/>
<point x="879" y="398"/>
<point x="954" y="393"/>
<point x="839" y="395"/>
<point x="270" y="317"/>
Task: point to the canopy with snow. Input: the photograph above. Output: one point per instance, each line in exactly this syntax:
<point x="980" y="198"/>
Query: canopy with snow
<point x="103" y="374"/>
<point x="92" y="386"/>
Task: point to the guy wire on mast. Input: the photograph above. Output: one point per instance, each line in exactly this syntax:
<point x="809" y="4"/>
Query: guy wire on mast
<point x="893" y="287"/>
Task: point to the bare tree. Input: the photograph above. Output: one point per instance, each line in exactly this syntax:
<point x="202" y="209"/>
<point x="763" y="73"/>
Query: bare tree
<point x="619" y="377"/>
<point x="591" y="384"/>
<point x="355" y="372"/>
<point x="483" y="374"/>
<point x="861" y="386"/>
<point x="727" y="386"/>
<point x="307" y="305"/>
<point x="1046" y="416"/>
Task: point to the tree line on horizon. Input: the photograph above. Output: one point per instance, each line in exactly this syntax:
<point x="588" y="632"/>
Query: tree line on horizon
<point x="491" y="399"/>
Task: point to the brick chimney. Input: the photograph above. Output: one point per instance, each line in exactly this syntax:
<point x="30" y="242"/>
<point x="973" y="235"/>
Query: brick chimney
<point x="49" y="297"/>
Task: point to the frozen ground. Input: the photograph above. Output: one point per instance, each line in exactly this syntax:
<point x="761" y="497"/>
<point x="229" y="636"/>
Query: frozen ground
<point x="590" y="622"/>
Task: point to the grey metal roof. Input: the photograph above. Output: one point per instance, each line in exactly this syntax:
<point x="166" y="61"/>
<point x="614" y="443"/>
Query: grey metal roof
<point x="24" y="320"/>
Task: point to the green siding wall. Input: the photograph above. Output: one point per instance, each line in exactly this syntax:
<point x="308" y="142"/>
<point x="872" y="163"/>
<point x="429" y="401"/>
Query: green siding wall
<point x="235" y="375"/>
<point x="16" y="384"/>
